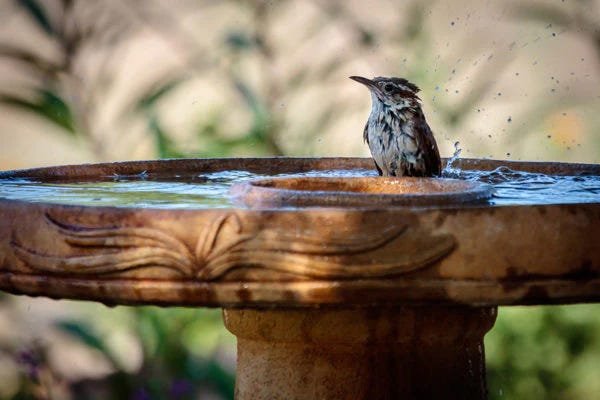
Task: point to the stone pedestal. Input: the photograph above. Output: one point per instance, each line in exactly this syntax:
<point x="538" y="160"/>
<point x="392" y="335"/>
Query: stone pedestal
<point x="364" y="353"/>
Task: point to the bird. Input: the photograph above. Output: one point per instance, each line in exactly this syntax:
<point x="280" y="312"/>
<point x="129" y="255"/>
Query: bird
<point x="397" y="133"/>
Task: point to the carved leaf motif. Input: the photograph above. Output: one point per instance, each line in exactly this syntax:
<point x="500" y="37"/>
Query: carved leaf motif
<point x="312" y="255"/>
<point x="223" y="246"/>
<point x="124" y="248"/>
<point x="118" y="249"/>
<point x="209" y="248"/>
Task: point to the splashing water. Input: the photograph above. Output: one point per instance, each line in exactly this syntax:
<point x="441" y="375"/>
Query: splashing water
<point x="519" y="187"/>
<point x="449" y="170"/>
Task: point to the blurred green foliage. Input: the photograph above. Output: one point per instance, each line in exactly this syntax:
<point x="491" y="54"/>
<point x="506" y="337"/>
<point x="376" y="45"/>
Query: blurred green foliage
<point x="550" y="352"/>
<point x="178" y="358"/>
<point x="61" y="97"/>
<point x="70" y="99"/>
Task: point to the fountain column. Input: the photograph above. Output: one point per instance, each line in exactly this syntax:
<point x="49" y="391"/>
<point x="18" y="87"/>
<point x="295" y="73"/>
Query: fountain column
<point x="412" y="352"/>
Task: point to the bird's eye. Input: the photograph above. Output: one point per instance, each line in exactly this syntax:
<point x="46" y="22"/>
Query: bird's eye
<point x="388" y="87"/>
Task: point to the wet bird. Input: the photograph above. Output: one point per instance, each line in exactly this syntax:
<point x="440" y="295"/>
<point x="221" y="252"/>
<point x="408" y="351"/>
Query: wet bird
<point x="397" y="133"/>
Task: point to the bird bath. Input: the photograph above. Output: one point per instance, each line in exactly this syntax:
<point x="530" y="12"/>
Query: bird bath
<point x="359" y="301"/>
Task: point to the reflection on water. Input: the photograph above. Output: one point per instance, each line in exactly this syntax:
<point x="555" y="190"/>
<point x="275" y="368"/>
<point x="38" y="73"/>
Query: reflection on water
<point x="211" y="190"/>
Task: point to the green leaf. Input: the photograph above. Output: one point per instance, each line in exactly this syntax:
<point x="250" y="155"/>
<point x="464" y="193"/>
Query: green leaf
<point x="150" y="98"/>
<point x="47" y="105"/>
<point x="261" y="119"/>
<point x="249" y="97"/>
<point x="165" y="146"/>
<point x="37" y="12"/>
<point x="239" y="41"/>
<point x="57" y="110"/>
<point x="83" y="333"/>
<point x="223" y="379"/>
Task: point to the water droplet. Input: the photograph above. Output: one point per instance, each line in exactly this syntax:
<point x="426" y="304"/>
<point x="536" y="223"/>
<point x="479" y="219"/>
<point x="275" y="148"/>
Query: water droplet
<point x="554" y="34"/>
<point x="507" y="154"/>
<point x="509" y="120"/>
<point x="490" y="136"/>
<point x="452" y="23"/>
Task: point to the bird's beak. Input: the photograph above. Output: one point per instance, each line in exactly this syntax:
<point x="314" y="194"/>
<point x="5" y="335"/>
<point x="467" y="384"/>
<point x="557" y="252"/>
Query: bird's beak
<point x="371" y="85"/>
<point x="367" y="82"/>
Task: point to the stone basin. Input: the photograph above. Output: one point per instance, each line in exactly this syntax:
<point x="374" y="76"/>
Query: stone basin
<point x="343" y="302"/>
<point x="369" y="192"/>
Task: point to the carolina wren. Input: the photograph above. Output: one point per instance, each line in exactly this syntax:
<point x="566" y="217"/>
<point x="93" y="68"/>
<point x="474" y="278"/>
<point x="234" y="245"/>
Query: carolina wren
<point x="397" y="133"/>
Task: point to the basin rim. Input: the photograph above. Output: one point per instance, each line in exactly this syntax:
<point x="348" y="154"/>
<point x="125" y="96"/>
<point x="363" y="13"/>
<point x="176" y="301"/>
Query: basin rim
<point x="315" y="192"/>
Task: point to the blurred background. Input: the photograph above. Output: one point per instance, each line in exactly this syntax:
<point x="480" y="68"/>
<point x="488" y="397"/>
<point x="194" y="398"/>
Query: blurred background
<point x="107" y="80"/>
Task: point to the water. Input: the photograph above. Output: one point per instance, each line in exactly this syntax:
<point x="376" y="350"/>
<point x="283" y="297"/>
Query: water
<point x="449" y="164"/>
<point x="518" y="187"/>
<point x="211" y="190"/>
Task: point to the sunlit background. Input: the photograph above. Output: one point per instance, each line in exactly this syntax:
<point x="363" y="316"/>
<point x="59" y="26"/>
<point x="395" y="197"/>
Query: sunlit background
<point x="106" y="80"/>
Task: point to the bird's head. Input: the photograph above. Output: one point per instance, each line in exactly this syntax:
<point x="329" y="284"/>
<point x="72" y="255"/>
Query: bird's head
<point x="397" y="93"/>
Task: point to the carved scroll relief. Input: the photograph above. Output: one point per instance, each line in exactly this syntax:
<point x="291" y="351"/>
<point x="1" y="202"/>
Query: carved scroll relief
<point x="223" y="245"/>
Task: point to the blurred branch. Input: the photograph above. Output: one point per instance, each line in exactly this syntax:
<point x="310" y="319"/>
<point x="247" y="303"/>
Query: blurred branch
<point x="36" y="63"/>
<point x="338" y="10"/>
<point x="161" y="20"/>
<point x="37" y="12"/>
<point x="543" y="13"/>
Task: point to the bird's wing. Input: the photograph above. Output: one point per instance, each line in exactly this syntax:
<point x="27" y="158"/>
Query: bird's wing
<point x="366" y="139"/>
<point x="433" y="163"/>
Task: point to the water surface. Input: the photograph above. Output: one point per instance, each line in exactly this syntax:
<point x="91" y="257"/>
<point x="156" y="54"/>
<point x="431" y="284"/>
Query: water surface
<point x="210" y="190"/>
